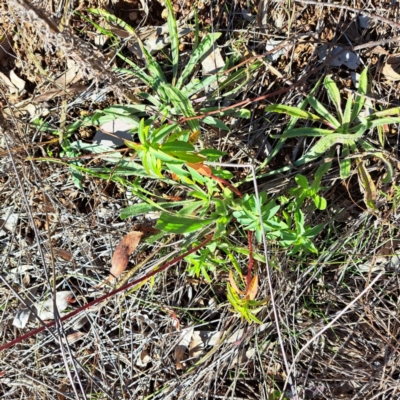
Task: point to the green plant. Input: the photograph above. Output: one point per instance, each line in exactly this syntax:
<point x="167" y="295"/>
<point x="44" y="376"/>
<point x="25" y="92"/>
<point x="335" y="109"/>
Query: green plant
<point x="168" y="152"/>
<point x="305" y="190"/>
<point x="347" y="127"/>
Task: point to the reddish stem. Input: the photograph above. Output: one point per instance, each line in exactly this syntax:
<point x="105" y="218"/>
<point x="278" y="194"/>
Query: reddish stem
<point x="251" y="260"/>
<point x="106" y="296"/>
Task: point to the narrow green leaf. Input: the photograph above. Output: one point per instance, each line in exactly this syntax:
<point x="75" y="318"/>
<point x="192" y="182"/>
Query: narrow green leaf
<point x="321" y="110"/>
<point x="182" y="103"/>
<point x="345" y="164"/>
<point x="323" y="145"/>
<point x="384" y="121"/>
<point x="177" y="145"/>
<point x="309" y="132"/>
<point x="385" y="113"/>
<point x="179" y="224"/>
<point x="215" y="123"/>
<point x="161" y="133"/>
<point x="173" y="31"/>
<point x="334" y="94"/>
<point x="360" y="98"/>
<point x="197" y="54"/>
<point x="144" y="208"/>
<point x="293" y="111"/>
<point x="347" y="111"/>
<point x="367" y="186"/>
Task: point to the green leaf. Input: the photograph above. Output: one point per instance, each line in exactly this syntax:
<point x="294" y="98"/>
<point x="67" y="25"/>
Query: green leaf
<point x="177" y="145"/>
<point x="320" y="202"/>
<point x="188" y="157"/>
<point x="197" y="54"/>
<point x="159" y="134"/>
<point x="323" y="145"/>
<point x="302" y="181"/>
<point x="345" y="164"/>
<point x="385" y="113"/>
<point x="367" y="186"/>
<point x="383" y="121"/>
<point x="212" y="153"/>
<point x="334" y="94"/>
<point x="144" y="208"/>
<point x="182" y="103"/>
<point x="180" y="224"/>
<point x="360" y="100"/>
<point x="347" y="111"/>
<point x="173" y="31"/>
<point x="215" y="123"/>
<point x="294" y="112"/>
<point x="321" y="110"/>
<point x="309" y="132"/>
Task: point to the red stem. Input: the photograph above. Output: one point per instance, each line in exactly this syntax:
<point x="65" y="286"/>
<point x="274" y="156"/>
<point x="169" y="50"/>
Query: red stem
<point x="100" y="299"/>
<point x="251" y="260"/>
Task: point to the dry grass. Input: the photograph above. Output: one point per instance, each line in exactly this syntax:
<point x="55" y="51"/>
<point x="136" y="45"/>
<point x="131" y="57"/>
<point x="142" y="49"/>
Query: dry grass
<point x="331" y="330"/>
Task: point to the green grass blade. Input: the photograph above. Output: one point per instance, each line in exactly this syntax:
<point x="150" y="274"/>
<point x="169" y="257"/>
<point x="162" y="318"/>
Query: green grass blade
<point x="360" y="100"/>
<point x="334" y="94"/>
<point x="197" y="54"/>
<point x="173" y="31"/>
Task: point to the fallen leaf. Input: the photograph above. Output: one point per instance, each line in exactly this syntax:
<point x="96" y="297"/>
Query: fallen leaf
<point x="45" y="309"/>
<point x="182" y="346"/>
<point x="200" y="168"/>
<point x="64" y="254"/>
<point x="121" y="255"/>
<point x="202" y="339"/>
<point x="338" y="56"/>
<point x="391" y="67"/>
<point x="251" y="291"/>
<point x="143" y="359"/>
<point x="73" y="337"/>
<point x="17" y="82"/>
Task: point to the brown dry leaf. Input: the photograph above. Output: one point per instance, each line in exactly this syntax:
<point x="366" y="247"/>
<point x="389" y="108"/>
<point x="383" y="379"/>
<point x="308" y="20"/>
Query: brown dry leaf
<point x="200" y="168"/>
<point x="262" y="14"/>
<point x="143" y="359"/>
<point x="64" y="254"/>
<point x="121" y="255"/>
<point x="253" y="288"/>
<point x="194" y="137"/>
<point x="182" y="346"/>
<point x="391" y="67"/>
<point x="233" y="284"/>
<point x="202" y="339"/>
<point x="74" y="337"/>
<point x="367" y="185"/>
